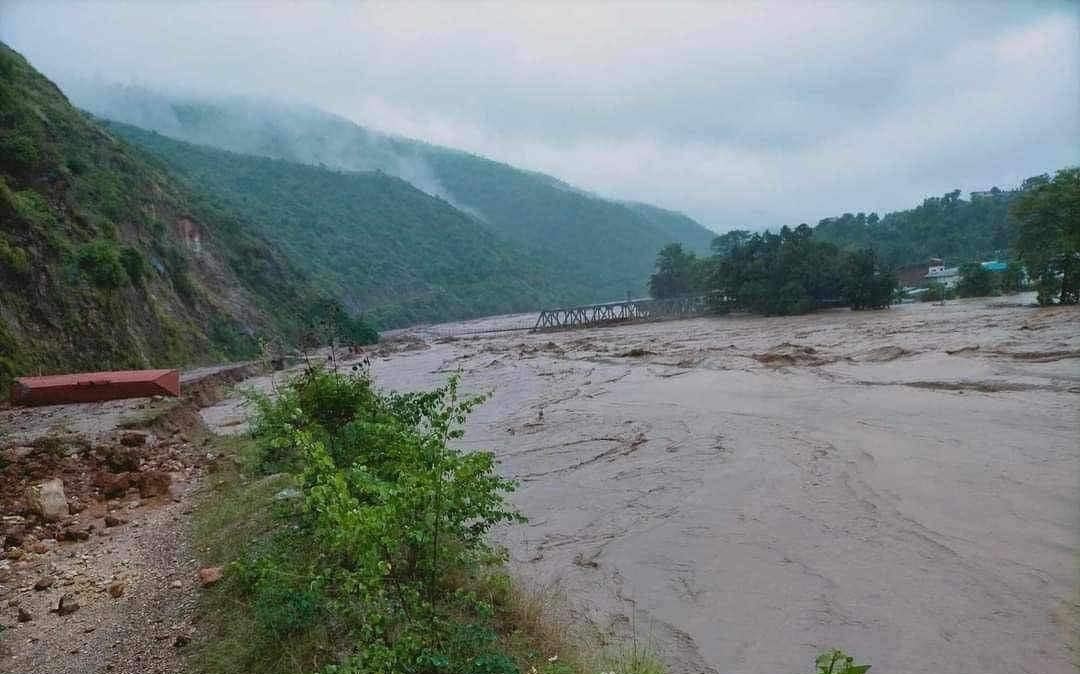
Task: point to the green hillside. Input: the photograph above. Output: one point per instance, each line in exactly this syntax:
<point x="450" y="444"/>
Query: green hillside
<point x="600" y="247"/>
<point x="106" y="262"/>
<point x="947" y="227"/>
<point x="386" y="248"/>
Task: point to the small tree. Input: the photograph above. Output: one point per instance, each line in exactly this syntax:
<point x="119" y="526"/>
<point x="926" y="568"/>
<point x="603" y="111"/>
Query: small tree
<point x="676" y="271"/>
<point x="975" y="281"/>
<point x="1012" y="279"/>
<point x="1047" y="222"/>
<point x="865" y="286"/>
<point x="935" y="292"/>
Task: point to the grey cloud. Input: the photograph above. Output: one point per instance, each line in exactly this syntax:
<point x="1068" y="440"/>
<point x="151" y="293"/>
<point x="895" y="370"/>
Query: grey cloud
<point x="740" y="114"/>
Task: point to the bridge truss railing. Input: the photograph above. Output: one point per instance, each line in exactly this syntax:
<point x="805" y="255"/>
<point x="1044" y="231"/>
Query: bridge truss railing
<point x="644" y="309"/>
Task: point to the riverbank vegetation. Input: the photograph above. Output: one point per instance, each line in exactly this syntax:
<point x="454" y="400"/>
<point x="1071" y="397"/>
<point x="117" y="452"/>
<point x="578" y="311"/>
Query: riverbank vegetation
<point x="1047" y="223"/>
<point x="789" y="272"/>
<point x="354" y="541"/>
<point x="848" y="260"/>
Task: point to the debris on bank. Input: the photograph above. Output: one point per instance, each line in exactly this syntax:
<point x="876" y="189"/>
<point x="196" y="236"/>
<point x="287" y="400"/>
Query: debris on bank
<point x="95" y="387"/>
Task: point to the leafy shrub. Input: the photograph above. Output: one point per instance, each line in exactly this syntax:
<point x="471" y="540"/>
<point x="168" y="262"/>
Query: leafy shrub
<point x="283" y="610"/>
<point x="100" y="261"/>
<point x="1047" y="285"/>
<point x="20" y="149"/>
<point x="392" y="521"/>
<point x="14" y="258"/>
<point x="32" y="207"/>
<point x="975" y="281"/>
<point x="134" y="264"/>
<point x="838" y="662"/>
<point x="935" y="292"/>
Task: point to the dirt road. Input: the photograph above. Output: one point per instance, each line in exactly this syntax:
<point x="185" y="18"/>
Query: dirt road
<point x="119" y="557"/>
<point x="747" y="491"/>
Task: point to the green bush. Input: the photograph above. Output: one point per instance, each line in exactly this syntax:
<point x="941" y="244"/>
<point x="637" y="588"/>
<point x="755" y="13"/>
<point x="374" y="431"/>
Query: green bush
<point x="935" y="292"/>
<point x="20" y="149"/>
<point x="975" y="281"/>
<point x="838" y="662"/>
<point x="100" y="262"/>
<point x="134" y="264"/>
<point x="14" y="258"/>
<point x="32" y="207"/>
<point x="398" y="518"/>
<point x="1048" y="285"/>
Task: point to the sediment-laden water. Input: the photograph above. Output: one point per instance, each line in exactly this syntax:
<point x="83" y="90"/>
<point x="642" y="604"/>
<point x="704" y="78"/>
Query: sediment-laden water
<point x="744" y="492"/>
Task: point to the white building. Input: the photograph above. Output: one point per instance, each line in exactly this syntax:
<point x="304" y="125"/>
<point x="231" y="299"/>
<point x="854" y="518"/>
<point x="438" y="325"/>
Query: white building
<point x="946" y="276"/>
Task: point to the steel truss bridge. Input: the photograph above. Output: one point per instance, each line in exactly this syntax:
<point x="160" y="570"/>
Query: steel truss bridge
<point x="626" y="311"/>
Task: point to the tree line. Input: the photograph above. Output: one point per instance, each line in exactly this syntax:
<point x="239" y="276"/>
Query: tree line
<point x="797" y="270"/>
<point x="789" y="272"/>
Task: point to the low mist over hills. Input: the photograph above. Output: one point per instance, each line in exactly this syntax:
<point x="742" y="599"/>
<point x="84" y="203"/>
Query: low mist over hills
<point x="603" y="247"/>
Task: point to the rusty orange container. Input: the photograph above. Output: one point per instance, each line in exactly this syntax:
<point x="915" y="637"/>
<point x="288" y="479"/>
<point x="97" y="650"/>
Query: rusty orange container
<point x="94" y="386"/>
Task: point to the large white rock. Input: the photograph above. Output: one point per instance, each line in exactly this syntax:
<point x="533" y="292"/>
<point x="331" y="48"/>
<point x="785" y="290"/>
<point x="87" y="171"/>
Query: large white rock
<point x="47" y="499"/>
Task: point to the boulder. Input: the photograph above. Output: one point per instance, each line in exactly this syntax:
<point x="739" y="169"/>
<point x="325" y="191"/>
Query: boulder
<point x="116" y="589"/>
<point x="47" y="500"/>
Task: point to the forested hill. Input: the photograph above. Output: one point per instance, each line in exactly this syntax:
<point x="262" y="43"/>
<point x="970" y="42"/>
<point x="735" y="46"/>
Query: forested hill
<point x="386" y="249"/>
<point x="948" y="227"/>
<point x="107" y="262"/>
<point x="602" y="247"/>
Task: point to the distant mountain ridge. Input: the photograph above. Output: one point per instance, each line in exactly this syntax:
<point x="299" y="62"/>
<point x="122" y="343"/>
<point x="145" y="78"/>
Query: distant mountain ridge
<point x="603" y="247"/>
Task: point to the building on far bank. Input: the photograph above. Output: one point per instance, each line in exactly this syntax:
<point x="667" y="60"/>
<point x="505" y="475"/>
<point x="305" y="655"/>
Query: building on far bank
<point x="946" y="276"/>
<point x="914" y="275"/>
<point x="933" y="270"/>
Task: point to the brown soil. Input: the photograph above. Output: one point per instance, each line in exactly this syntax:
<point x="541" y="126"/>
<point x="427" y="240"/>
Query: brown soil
<point x="122" y="554"/>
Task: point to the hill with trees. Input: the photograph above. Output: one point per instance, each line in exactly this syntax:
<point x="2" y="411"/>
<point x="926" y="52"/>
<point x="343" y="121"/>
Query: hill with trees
<point x="947" y="227"/>
<point x="107" y="262"/>
<point x="387" y="249"/>
<point x="602" y="247"/>
<point x="848" y="260"/>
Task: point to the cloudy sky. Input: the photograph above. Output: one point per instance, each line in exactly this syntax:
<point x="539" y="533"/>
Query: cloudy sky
<point x="740" y="114"/>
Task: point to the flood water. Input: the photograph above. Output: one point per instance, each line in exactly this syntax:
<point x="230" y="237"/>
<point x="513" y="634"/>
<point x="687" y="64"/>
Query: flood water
<point x="743" y="492"/>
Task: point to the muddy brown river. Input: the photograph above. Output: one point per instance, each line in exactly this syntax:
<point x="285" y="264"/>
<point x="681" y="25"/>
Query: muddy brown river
<point x="744" y="492"/>
<point x="741" y="493"/>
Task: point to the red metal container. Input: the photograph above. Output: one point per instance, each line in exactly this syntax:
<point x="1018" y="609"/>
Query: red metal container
<point x="94" y="386"/>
